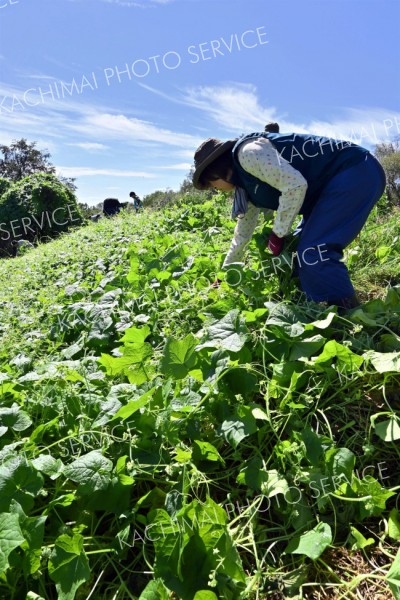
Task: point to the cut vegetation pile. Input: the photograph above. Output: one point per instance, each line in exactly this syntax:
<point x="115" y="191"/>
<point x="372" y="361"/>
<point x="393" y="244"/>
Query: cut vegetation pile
<point x="160" y="438"/>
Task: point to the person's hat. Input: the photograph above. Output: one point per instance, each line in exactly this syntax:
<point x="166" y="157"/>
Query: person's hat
<point x="205" y="154"/>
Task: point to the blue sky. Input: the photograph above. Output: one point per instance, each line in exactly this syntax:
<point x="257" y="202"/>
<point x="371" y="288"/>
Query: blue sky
<point x="121" y="92"/>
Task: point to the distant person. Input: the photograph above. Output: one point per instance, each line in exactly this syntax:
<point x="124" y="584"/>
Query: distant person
<point x="137" y="203"/>
<point x="111" y="206"/>
<point x="96" y="217"/>
<point x="333" y="184"/>
<point x="21" y="246"/>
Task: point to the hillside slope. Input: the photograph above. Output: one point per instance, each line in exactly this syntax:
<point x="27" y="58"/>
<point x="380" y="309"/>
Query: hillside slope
<point x="159" y="436"/>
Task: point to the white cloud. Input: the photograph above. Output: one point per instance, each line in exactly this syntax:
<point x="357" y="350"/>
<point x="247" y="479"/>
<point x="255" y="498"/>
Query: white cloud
<point x="238" y="109"/>
<point x="364" y="126"/>
<point x="68" y="119"/>
<point x="91" y="172"/>
<point x="235" y="107"/>
<point x="132" y="130"/>
<point x="90" y="146"/>
<point x="177" y="167"/>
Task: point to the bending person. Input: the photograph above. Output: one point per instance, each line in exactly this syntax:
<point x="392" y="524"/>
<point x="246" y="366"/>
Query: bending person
<point x="334" y="184"/>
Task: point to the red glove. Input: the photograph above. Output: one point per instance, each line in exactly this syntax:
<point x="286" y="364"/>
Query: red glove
<point x="216" y="283"/>
<point x="275" y="244"/>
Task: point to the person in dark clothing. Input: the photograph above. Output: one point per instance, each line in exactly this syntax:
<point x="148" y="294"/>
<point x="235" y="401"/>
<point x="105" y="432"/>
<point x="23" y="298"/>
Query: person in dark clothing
<point x="111" y="206"/>
<point x="332" y="183"/>
<point x="137" y="203"/>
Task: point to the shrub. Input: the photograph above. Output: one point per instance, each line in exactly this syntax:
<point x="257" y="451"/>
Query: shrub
<point x="4" y="185"/>
<point x="36" y="207"/>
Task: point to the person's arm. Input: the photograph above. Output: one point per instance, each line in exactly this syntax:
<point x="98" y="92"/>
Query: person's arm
<point x="260" y="158"/>
<point x="243" y="231"/>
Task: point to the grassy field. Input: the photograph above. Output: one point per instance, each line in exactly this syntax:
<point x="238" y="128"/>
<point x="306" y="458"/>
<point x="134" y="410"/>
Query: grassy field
<point x="160" y="438"/>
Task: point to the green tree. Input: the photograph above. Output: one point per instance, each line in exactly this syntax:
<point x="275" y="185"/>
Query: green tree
<point x="389" y="156"/>
<point x="187" y="184"/>
<point x="22" y="159"/>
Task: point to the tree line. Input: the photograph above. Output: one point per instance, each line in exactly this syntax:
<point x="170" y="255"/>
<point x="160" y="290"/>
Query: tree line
<point x="22" y="158"/>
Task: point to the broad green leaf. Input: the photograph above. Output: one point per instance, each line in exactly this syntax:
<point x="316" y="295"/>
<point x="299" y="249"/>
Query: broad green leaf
<point x="33" y="531"/>
<point x="68" y="353"/>
<point x="162" y="531"/>
<point x="7" y="387"/>
<point x="341" y="462"/>
<point x="388" y="430"/>
<point x="258" y="413"/>
<point x="100" y="329"/>
<point x="134" y="335"/>
<point x="133" y="406"/>
<point x="48" y="465"/>
<point x="229" y="333"/>
<point x="114" y="366"/>
<point x="18" y="481"/>
<point x="389" y="342"/>
<point x="253" y="475"/>
<point x="196" y="541"/>
<point x="40" y="431"/>
<point x="205" y="451"/>
<point x="205" y="595"/>
<point x="155" y="498"/>
<point x="275" y="484"/>
<point x="140" y="373"/>
<point x="242" y="381"/>
<point x="306" y="348"/>
<point x="255" y="315"/>
<point x="137" y="353"/>
<point x="182" y="456"/>
<point x="241" y="425"/>
<point x="68" y="565"/>
<point x="382" y="252"/>
<point x="155" y="590"/>
<point x="91" y="472"/>
<point x="63" y="500"/>
<point x="323" y="323"/>
<point x="393" y="577"/>
<point x="217" y="363"/>
<point x="10" y="537"/>
<point x="360" y="541"/>
<point x="178" y="357"/>
<point x="384" y="362"/>
<point x="372" y="496"/>
<point x="133" y="363"/>
<point x="345" y="359"/>
<point x="313" y="444"/>
<point x="360" y="316"/>
<point x="312" y="543"/>
<point x="15" y="418"/>
<point x="394" y="524"/>
<point x="285" y="317"/>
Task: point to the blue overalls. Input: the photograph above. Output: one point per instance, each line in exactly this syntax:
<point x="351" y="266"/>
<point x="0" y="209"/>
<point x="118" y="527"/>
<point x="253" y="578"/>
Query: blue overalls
<point x="344" y="183"/>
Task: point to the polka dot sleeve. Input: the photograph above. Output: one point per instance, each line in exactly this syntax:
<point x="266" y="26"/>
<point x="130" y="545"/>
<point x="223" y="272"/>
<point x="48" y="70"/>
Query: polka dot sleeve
<point x="260" y="158"/>
<point x="243" y="231"/>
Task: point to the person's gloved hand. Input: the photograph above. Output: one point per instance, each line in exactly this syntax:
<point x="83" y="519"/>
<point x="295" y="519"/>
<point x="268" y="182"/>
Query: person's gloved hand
<point x="216" y="283"/>
<point x="275" y="244"/>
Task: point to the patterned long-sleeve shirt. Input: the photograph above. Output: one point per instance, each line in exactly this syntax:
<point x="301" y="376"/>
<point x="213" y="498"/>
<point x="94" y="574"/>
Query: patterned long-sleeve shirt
<point x="260" y="158"/>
